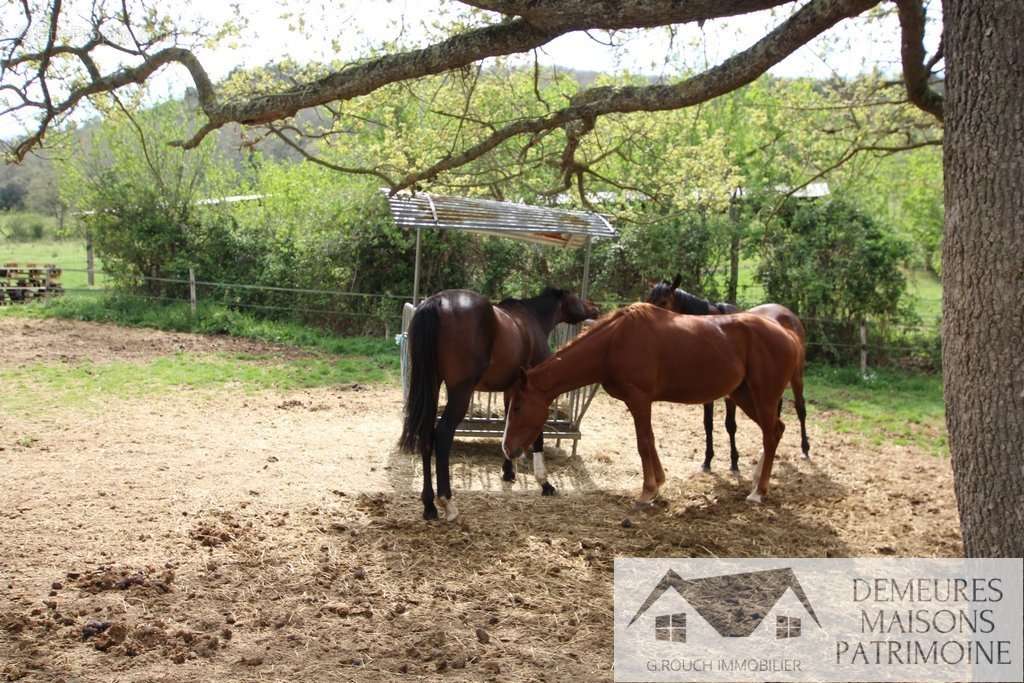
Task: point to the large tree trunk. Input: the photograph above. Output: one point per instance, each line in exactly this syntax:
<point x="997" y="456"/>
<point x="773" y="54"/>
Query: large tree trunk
<point x="983" y="270"/>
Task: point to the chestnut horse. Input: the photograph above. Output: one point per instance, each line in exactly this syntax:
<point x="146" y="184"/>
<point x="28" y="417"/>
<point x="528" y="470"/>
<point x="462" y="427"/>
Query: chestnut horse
<point x="459" y="338"/>
<point x="643" y="353"/>
<point x="668" y="295"/>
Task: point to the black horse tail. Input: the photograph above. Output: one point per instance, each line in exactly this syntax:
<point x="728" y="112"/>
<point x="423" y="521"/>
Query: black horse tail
<point x="421" y="406"/>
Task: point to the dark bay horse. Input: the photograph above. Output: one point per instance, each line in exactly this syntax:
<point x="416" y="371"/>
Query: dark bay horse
<point x="668" y="295"/>
<point x="643" y="353"/>
<point x="459" y="338"/>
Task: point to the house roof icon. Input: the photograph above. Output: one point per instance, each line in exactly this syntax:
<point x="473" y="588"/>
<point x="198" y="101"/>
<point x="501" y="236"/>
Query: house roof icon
<point x="733" y="604"/>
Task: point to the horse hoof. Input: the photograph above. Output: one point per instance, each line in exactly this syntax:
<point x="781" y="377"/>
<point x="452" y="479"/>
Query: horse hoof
<point x="649" y="505"/>
<point x="807" y="455"/>
<point x="706" y="469"/>
<point x="429" y="512"/>
<point x="755" y="498"/>
<point x="450" y="511"/>
<point x="508" y="476"/>
<point x="547" y="489"/>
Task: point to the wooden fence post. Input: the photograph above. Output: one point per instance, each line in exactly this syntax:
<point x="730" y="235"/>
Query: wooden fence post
<point x="192" y="289"/>
<point x="863" y="349"/>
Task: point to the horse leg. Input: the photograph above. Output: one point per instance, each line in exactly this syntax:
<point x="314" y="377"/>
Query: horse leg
<point x="771" y="434"/>
<point x="709" y="429"/>
<point x="730" y="426"/>
<point x="653" y="474"/>
<point x="427" y="495"/>
<point x="508" y="467"/>
<point x="743" y="398"/>
<point x="539" y="470"/>
<point x="797" y="383"/>
<point x="458" y="403"/>
<point x="765" y="413"/>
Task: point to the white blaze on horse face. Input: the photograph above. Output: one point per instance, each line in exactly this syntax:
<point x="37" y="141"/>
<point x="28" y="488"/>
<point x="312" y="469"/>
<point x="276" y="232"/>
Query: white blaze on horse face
<point x="539" y="471"/>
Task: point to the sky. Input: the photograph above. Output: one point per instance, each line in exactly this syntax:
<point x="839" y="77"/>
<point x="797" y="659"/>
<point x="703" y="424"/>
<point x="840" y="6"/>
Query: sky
<point x="324" y="30"/>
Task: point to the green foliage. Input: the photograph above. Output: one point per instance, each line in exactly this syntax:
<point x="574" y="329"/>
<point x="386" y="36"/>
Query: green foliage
<point x="669" y="179"/>
<point x="139" y="197"/>
<point x="12" y="197"/>
<point x="830" y="260"/>
<point x="835" y="266"/>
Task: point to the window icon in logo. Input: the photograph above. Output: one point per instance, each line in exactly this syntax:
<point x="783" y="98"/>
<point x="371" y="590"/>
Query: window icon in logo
<point x="670" y="627"/>
<point x="787" y="627"/>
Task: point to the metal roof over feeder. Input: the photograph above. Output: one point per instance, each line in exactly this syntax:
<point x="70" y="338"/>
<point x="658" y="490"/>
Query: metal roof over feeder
<point x="537" y="224"/>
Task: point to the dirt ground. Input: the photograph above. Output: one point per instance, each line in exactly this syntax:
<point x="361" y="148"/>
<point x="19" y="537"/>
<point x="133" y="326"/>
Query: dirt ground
<point x="276" y="536"/>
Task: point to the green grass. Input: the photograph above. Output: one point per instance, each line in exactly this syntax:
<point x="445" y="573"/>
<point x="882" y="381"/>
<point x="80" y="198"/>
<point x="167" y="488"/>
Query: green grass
<point x="87" y="384"/>
<point x="891" y="406"/>
<point x="345" y="360"/>
<point x="926" y="291"/>
<point x="67" y="254"/>
<point x="132" y="311"/>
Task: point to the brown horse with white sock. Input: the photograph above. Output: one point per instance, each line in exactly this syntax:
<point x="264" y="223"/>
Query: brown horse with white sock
<point x="642" y="353"/>
<point x="459" y="338"/>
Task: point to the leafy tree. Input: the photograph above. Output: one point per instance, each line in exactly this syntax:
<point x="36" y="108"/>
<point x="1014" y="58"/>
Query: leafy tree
<point x="12" y="197"/>
<point x="140" y="199"/>
<point x="830" y="262"/>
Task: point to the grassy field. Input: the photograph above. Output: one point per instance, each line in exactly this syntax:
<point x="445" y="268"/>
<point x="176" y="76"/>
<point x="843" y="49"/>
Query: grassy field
<point x="80" y="384"/>
<point x="67" y="254"/>
<point x="926" y="291"/>
<point x="890" y="406"/>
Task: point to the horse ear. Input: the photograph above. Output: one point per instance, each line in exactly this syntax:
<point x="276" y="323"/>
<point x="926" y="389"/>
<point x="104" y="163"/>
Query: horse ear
<point x="677" y="281"/>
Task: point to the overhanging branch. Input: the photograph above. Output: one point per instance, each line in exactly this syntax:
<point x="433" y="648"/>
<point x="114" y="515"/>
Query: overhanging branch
<point x="915" y="70"/>
<point x="737" y="71"/>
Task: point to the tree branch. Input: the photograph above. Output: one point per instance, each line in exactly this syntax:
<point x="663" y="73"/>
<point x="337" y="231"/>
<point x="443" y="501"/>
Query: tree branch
<point x="915" y="71"/>
<point x="741" y="69"/>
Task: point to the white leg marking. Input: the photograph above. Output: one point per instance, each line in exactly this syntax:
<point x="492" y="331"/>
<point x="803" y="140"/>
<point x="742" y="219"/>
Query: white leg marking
<point x="754" y="496"/>
<point x="539" y="471"/>
<point x="504" y="432"/>
<point x="448" y="509"/>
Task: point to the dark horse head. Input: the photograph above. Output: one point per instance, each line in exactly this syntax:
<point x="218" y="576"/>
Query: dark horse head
<point x="553" y="306"/>
<point x="667" y="294"/>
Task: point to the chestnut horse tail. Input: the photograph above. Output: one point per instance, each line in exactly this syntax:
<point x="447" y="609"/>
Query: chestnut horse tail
<point x="421" y="407"/>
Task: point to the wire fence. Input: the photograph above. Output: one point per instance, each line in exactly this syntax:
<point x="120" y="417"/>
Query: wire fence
<point x="869" y="341"/>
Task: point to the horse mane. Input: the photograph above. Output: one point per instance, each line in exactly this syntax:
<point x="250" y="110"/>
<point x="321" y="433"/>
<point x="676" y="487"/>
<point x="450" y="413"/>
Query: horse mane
<point x="635" y="309"/>
<point x="547" y="293"/>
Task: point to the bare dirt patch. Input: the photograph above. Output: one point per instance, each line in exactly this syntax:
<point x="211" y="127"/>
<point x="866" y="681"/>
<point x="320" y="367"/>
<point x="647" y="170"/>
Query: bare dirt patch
<point x="25" y="340"/>
<point x="231" y="536"/>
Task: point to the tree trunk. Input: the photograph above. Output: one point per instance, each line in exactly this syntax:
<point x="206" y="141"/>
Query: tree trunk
<point x="983" y="271"/>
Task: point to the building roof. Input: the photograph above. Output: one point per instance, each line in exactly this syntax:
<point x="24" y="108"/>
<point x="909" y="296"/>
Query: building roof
<point x="538" y="224"/>
<point x="734" y="604"/>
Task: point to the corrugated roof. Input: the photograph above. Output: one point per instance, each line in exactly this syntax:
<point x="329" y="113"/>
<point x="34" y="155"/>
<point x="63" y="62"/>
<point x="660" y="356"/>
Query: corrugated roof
<point x="538" y="224"/>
